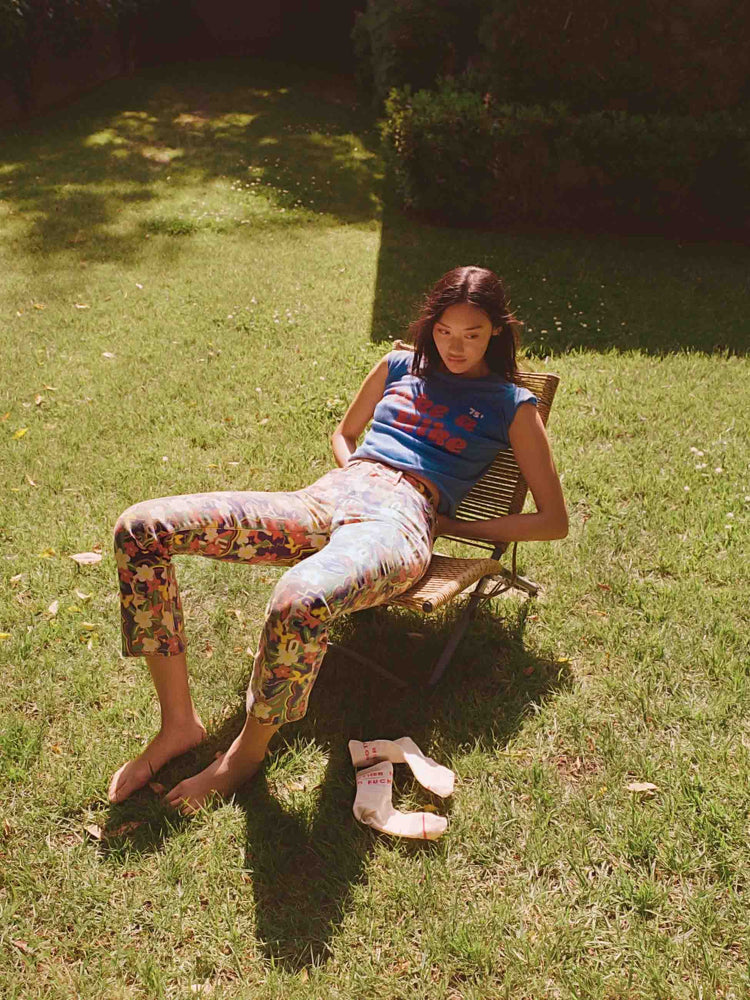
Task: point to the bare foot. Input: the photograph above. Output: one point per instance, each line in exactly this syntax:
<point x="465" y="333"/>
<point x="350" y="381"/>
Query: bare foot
<point x="222" y="777"/>
<point x="167" y="743"/>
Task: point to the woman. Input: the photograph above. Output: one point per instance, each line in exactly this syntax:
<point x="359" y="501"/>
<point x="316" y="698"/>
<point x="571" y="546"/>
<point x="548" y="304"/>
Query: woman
<point x="358" y="537"/>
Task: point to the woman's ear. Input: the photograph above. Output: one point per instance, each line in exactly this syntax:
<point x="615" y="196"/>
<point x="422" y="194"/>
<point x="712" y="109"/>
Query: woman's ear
<point x="496" y="331"/>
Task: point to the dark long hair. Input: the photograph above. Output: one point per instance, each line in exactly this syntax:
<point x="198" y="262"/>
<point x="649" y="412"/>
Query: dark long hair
<point x="479" y="287"/>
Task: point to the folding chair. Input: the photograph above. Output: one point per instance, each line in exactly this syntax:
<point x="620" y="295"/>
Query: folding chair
<point x="502" y="490"/>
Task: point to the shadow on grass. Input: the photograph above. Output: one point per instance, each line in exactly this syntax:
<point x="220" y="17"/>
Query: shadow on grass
<point x="71" y="173"/>
<point x="579" y="291"/>
<point x="305" y="869"/>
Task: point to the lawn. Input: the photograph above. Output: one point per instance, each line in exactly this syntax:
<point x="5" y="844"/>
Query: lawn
<point x="197" y="269"/>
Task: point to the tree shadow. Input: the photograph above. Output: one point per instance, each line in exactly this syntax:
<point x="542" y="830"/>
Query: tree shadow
<point x="576" y="291"/>
<point x="273" y="134"/>
<point x="306" y="864"/>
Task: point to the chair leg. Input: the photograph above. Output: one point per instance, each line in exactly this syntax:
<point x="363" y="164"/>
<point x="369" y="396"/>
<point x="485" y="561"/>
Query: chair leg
<point x="457" y="635"/>
<point x="520" y="582"/>
<point x="367" y="662"/>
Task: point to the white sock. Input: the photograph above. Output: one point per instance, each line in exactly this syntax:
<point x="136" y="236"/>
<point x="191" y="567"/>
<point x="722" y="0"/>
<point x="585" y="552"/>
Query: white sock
<point x="373" y="806"/>
<point x="429" y="773"/>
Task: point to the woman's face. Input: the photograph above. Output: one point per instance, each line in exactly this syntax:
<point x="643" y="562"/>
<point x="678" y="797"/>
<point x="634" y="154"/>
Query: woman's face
<point x="461" y="336"/>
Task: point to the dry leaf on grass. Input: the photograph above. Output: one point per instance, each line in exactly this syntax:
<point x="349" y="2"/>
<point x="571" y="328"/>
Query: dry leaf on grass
<point x="642" y="786"/>
<point x="83" y="597"/>
<point x="22" y="946"/>
<point x="20" y="433"/>
<point x="157" y="788"/>
<point x="87" y="558"/>
<point x="102" y="833"/>
<point x="30" y="481"/>
<point x="107" y="354"/>
<point x="53" y="608"/>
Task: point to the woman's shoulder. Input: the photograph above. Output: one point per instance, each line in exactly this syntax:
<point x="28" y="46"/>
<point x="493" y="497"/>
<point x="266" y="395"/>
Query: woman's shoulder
<point x="399" y="363"/>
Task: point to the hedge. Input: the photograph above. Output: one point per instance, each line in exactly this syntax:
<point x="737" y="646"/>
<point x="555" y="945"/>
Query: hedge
<point x="459" y="158"/>
<point x="640" y="56"/>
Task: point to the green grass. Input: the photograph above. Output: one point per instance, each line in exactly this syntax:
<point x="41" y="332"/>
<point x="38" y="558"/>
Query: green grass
<point x="196" y="271"/>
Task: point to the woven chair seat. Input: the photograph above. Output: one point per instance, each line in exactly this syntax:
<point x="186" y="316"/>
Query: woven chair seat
<point x="445" y="578"/>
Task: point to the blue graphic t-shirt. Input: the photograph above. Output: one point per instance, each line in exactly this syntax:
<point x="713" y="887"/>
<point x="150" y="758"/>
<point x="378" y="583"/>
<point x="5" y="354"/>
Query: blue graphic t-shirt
<point x="448" y="427"/>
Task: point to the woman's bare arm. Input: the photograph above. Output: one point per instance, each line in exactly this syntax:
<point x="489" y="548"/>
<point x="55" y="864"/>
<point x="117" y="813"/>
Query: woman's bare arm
<point x="344" y="438"/>
<point x="530" y="444"/>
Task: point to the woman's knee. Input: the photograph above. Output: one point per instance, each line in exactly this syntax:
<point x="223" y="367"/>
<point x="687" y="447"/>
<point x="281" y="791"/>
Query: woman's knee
<point x="135" y="524"/>
<point x="295" y="599"/>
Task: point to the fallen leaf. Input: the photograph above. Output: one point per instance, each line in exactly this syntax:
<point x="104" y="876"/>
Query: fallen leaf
<point x="20" y="433"/>
<point x="30" y="481"/>
<point x="5" y="635"/>
<point x="51" y="388"/>
<point x="96" y="548"/>
<point x="39" y="305"/>
<point x="53" y="608"/>
<point x="603" y="586"/>
<point x="5" y="416"/>
<point x="108" y="354"/>
<point x="56" y="748"/>
<point x="46" y="553"/>
<point x="87" y="558"/>
<point x="22" y="946"/>
<point x="642" y="786"/>
<point x="94" y="831"/>
<point x="83" y="597"/>
<point x="89" y="626"/>
<point x="38" y="400"/>
<point x="81" y="305"/>
<point x="157" y="788"/>
<point x="16" y="578"/>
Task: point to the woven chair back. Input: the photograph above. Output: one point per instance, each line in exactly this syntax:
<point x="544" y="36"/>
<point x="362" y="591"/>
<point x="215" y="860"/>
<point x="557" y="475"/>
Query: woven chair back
<point x="502" y="489"/>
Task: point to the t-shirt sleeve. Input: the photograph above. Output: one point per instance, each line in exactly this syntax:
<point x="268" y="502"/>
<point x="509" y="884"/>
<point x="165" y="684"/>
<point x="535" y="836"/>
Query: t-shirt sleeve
<point x="515" y="398"/>
<point x="399" y="364"/>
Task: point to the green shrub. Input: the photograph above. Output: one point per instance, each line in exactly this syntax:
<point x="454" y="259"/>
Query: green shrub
<point x="641" y="56"/>
<point x="456" y="157"/>
<point x="412" y="42"/>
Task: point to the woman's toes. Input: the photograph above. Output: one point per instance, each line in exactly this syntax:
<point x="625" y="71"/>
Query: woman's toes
<point x="127" y="779"/>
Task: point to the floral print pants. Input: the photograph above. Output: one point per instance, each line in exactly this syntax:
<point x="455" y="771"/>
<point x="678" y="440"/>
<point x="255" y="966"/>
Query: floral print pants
<point x="356" y="538"/>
